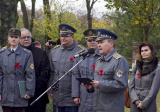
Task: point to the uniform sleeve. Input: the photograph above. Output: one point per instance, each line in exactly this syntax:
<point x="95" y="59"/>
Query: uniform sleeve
<point x="120" y="78"/>
<point x="0" y="74"/>
<point x="50" y="82"/>
<point x="154" y="89"/>
<point x="131" y="86"/>
<point x="30" y="76"/>
<point x="75" y="82"/>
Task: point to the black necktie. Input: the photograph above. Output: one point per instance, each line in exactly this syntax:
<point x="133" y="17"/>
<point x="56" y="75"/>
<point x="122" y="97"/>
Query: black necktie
<point x="12" y="51"/>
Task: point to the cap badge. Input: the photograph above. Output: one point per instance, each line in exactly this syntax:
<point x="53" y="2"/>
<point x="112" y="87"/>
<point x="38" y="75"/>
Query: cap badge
<point x="13" y="30"/>
<point x="98" y="33"/>
<point x="90" y="32"/>
<point x="63" y="27"/>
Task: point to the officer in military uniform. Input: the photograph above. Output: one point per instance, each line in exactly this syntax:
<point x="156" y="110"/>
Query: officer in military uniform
<point x="111" y="75"/>
<point x="16" y="71"/>
<point x="61" y="60"/>
<point x="85" y="70"/>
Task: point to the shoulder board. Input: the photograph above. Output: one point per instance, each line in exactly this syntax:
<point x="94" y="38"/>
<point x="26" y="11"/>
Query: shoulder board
<point x="80" y="46"/>
<point x="117" y="56"/>
<point x="2" y="49"/>
<point x="55" y="47"/>
<point x="99" y="58"/>
<point x="82" y="49"/>
<point x="26" y="50"/>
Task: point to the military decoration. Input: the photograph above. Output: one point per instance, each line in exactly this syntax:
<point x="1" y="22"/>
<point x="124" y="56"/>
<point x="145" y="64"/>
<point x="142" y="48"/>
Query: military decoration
<point x="119" y="73"/>
<point x="100" y="72"/>
<point x="139" y="75"/>
<point x="71" y="59"/>
<point x="93" y="66"/>
<point x="63" y="27"/>
<point x="90" y="32"/>
<point x="17" y="64"/>
<point x="31" y="66"/>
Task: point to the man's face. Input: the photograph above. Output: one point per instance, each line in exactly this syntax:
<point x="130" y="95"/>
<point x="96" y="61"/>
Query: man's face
<point x="92" y="44"/>
<point x="66" y="40"/>
<point x="13" y="40"/>
<point x="105" y="47"/>
<point x="25" y="39"/>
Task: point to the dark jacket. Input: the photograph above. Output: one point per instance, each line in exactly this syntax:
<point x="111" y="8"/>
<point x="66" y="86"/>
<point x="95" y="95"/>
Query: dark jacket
<point x="42" y="67"/>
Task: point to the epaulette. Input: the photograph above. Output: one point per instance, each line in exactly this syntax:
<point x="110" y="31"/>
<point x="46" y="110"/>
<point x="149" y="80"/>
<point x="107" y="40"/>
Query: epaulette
<point x="2" y="49"/>
<point x="82" y="49"/>
<point x="26" y="50"/>
<point x="117" y="56"/>
<point x="55" y="47"/>
<point x="80" y="46"/>
<point x="99" y="58"/>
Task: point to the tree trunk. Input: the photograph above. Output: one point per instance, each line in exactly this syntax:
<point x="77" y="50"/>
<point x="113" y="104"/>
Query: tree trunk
<point x="25" y="15"/>
<point x="47" y="13"/>
<point x="33" y="15"/>
<point x="89" y="6"/>
<point x="8" y="17"/>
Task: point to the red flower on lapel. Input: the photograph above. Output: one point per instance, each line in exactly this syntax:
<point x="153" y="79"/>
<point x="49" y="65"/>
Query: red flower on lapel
<point x="139" y="75"/>
<point x="100" y="72"/>
<point x="17" y="65"/>
<point x="93" y="67"/>
<point x="71" y="59"/>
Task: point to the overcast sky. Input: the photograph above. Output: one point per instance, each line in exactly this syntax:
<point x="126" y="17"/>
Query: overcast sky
<point x="99" y="7"/>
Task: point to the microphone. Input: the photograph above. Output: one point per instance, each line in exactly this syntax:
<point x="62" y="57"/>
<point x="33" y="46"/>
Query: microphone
<point x="90" y="51"/>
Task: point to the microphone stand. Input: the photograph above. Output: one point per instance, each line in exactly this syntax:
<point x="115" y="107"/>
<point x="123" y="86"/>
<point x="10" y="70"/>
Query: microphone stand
<point x="54" y="84"/>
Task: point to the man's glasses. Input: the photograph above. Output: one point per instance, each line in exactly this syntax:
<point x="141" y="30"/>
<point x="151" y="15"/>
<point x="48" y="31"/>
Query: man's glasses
<point x="28" y="37"/>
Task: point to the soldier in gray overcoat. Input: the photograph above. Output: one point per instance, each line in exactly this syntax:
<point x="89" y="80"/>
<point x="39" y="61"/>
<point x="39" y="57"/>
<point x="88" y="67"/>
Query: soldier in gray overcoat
<point x="16" y="65"/>
<point x="61" y="60"/>
<point x="111" y="76"/>
<point x="145" y="80"/>
<point x="85" y="70"/>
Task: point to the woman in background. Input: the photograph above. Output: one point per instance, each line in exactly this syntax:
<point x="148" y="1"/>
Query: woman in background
<point x="145" y="80"/>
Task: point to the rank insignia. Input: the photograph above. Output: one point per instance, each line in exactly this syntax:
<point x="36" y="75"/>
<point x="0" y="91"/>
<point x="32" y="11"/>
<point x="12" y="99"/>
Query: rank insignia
<point x="31" y="66"/>
<point x="98" y="33"/>
<point x="90" y="32"/>
<point x="119" y="73"/>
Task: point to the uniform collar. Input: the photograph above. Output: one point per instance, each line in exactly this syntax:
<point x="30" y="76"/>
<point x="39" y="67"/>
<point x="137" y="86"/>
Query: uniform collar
<point x="70" y="47"/>
<point x="109" y="56"/>
<point x="17" y="51"/>
<point x="97" y="53"/>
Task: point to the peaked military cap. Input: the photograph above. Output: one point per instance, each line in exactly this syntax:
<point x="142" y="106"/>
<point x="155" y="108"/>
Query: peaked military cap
<point x="14" y="32"/>
<point x="66" y="29"/>
<point x="105" y="34"/>
<point x="90" y="34"/>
